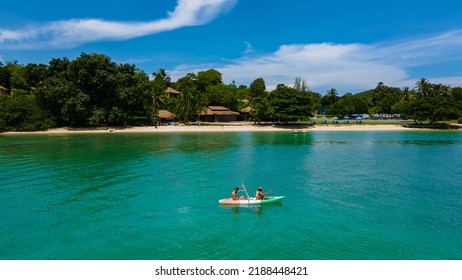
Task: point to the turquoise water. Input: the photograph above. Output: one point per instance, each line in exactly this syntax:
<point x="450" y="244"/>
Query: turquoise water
<point x="349" y="195"/>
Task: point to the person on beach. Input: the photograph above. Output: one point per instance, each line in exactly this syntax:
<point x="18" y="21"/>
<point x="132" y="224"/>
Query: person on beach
<point x="234" y="194"/>
<point x="260" y="195"/>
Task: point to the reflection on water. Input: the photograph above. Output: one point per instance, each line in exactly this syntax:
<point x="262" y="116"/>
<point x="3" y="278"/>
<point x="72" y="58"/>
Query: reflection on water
<point x="257" y="209"/>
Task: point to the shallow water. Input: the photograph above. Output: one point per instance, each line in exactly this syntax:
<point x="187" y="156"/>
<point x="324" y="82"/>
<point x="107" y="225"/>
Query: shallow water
<point x="349" y="195"/>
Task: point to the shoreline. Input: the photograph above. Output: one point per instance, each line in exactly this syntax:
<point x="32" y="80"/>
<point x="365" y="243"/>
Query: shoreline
<point x="218" y="128"/>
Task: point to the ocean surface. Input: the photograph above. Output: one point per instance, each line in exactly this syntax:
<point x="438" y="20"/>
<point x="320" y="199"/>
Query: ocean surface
<point x="348" y="195"/>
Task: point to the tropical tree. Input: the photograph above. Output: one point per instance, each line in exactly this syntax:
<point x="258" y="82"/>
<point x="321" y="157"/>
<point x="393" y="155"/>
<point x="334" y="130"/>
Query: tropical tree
<point x="223" y="95"/>
<point x="208" y="78"/>
<point x="289" y="104"/>
<point x="332" y="95"/>
<point x="423" y="87"/>
<point x="432" y="102"/>
<point x="20" y="112"/>
<point x="159" y="97"/>
<point x="261" y="108"/>
<point x="191" y="102"/>
<point x="257" y="88"/>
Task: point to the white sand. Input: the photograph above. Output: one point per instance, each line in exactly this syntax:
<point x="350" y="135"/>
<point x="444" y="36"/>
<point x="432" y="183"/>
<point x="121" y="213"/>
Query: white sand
<point x="218" y="128"/>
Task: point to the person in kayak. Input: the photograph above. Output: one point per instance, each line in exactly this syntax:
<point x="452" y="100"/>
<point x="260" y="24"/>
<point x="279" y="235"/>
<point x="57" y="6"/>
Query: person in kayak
<point x="234" y="194"/>
<point x="260" y="195"/>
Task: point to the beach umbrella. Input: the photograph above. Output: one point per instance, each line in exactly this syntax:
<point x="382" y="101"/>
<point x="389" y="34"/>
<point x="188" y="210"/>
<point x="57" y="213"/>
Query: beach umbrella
<point x="335" y="118"/>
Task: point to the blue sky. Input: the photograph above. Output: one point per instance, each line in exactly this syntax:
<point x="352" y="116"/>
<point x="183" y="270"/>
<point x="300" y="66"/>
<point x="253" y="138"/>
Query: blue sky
<point x="346" y="45"/>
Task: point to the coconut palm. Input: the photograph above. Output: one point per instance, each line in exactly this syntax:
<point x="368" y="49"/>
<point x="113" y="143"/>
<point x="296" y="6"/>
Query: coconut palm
<point x="407" y="94"/>
<point x="442" y="90"/>
<point x="423" y="87"/>
<point x="159" y="97"/>
<point x="332" y="95"/>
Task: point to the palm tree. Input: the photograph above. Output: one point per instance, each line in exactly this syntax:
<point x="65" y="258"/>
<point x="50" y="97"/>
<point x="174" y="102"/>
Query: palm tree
<point x="407" y="94"/>
<point x="442" y="90"/>
<point x="423" y="87"/>
<point x="186" y="104"/>
<point x="159" y="98"/>
<point x="332" y="95"/>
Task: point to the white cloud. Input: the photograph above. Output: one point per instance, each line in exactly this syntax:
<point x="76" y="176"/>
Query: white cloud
<point x="248" y="48"/>
<point x="74" y="32"/>
<point x="346" y="67"/>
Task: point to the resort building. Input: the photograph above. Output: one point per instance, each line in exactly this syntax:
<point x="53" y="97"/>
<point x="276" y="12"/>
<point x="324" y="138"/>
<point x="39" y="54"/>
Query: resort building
<point x="3" y="90"/>
<point x="245" y="113"/>
<point x="218" y="114"/>
<point x="171" y="92"/>
<point x="166" y="116"/>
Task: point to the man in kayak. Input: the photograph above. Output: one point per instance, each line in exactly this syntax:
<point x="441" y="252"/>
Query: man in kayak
<point x="260" y="195"/>
<point x="234" y="194"/>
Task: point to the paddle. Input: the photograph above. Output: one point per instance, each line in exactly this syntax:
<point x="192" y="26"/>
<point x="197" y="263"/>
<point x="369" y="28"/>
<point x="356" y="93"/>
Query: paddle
<point x="248" y="197"/>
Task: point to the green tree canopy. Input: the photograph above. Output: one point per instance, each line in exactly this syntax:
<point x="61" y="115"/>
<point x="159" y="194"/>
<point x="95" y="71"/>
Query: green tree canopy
<point x="257" y="88"/>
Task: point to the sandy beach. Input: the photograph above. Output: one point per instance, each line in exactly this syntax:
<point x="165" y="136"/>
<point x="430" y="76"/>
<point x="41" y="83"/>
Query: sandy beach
<point x="218" y="128"/>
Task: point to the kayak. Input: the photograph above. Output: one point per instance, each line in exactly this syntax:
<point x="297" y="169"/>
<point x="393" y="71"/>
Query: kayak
<point x="251" y="201"/>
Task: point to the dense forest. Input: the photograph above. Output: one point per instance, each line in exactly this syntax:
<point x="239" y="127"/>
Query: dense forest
<point x="92" y="90"/>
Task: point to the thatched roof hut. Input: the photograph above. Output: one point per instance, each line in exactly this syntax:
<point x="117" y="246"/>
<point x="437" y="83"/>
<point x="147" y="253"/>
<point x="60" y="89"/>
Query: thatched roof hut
<point x="172" y="92"/>
<point x="4" y="90"/>
<point x="166" y="115"/>
<point x="218" y="114"/>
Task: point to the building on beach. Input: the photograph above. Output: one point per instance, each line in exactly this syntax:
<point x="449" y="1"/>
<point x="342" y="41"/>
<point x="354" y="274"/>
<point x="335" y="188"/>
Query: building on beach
<point x="245" y="113"/>
<point x="166" y="116"/>
<point x="4" y="90"/>
<point x="171" y="92"/>
<point x="218" y="114"/>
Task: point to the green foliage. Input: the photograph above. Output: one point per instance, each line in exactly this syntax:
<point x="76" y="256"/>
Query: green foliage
<point x="262" y="109"/>
<point x="94" y="90"/>
<point x="223" y="95"/>
<point x="208" y="78"/>
<point x="257" y="87"/>
<point x="289" y="104"/>
<point x="21" y="113"/>
<point x="432" y="102"/>
<point x="459" y="120"/>
<point x="349" y="104"/>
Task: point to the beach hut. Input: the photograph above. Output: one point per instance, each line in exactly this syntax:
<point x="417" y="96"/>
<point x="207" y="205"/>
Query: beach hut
<point x="346" y="119"/>
<point x="218" y="114"/>
<point x="335" y="119"/>
<point x="359" y="119"/>
<point x="3" y="90"/>
<point x="171" y="92"/>
<point x="166" y="116"/>
<point x="313" y="120"/>
<point x="245" y="113"/>
<point x="324" y="120"/>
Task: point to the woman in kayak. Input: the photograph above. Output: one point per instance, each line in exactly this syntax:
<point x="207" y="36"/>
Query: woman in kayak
<point x="234" y="194"/>
<point x="260" y="195"/>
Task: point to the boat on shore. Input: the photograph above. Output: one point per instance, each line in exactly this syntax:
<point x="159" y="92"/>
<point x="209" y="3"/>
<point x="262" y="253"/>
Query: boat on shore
<point x="251" y="201"/>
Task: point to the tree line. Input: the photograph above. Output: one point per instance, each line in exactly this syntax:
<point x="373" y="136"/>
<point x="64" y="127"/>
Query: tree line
<point x="425" y="102"/>
<point x="93" y="90"/>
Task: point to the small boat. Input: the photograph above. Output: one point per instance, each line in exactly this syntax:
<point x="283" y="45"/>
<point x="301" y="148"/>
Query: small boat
<point x="251" y="201"/>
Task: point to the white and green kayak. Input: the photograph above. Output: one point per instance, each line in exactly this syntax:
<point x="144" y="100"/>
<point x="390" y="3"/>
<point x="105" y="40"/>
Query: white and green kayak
<point x="251" y="201"/>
